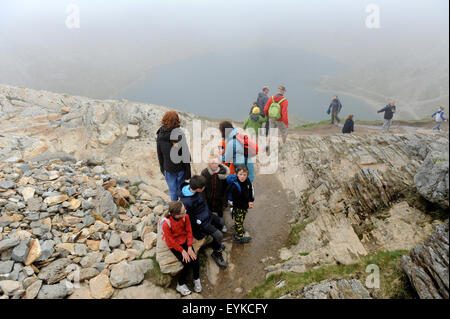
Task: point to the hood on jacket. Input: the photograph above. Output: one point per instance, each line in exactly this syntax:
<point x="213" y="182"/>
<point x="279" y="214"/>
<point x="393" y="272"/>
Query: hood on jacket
<point x="164" y="134"/>
<point x="224" y="171"/>
<point x="186" y="190"/>
<point x="232" y="134"/>
<point x="255" y="117"/>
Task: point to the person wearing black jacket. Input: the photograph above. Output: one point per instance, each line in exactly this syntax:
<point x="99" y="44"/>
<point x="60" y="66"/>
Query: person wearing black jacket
<point x="389" y="111"/>
<point x="173" y="153"/>
<point x="215" y="175"/>
<point x="261" y="103"/>
<point x="203" y="221"/>
<point x="242" y="198"/>
<point x="335" y="107"/>
<point x="349" y="124"/>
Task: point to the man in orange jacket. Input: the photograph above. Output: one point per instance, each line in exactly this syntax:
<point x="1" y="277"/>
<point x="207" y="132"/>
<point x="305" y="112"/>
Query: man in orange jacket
<point x="282" y="123"/>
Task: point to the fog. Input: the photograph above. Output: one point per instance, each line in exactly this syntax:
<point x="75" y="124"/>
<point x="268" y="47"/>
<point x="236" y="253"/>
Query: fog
<point x="119" y="46"/>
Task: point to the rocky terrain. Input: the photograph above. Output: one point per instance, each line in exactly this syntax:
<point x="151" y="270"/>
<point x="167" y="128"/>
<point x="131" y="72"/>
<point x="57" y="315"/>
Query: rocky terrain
<point x="81" y="195"/>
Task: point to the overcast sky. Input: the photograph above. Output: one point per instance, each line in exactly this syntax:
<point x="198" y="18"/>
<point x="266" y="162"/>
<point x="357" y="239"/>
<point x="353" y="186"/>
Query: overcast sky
<point x="132" y="36"/>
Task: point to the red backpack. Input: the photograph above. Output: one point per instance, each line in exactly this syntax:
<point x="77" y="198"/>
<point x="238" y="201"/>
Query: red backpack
<point x="250" y="148"/>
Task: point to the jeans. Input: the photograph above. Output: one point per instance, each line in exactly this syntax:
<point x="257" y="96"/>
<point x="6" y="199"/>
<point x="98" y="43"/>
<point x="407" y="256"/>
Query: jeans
<point x="437" y="127"/>
<point x="187" y="266"/>
<point x="174" y="181"/>
<point x="387" y="125"/>
<point x="214" y="229"/>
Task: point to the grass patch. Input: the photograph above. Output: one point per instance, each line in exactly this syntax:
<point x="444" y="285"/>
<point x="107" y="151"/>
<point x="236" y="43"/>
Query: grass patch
<point x="393" y="281"/>
<point x="294" y="235"/>
<point x="312" y="125"/>
<point x="304" y="254"/>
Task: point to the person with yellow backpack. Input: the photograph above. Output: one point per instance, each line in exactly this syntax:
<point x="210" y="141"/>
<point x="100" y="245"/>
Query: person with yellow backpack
<point x="277" y="110"/>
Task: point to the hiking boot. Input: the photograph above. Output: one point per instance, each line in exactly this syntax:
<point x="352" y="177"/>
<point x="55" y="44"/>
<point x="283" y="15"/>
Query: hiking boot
<point x="218" y="258"/>
<point x="243" y="239"/>
<point x="183" y="290"/>
<point x="197" y="286"/>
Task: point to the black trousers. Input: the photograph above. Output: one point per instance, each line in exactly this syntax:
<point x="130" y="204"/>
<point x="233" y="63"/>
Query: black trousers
<point x="214" y="229"/>
<point x="187" y="266"/>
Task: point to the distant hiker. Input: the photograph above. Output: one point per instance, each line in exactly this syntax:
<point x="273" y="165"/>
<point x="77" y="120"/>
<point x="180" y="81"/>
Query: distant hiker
<point x="215" y="175"/>
<point x="172" y="141"/>
<point x="177" y="233"/>
<point x="239" y="149"/>
<point x="240" y="192"/>
<point x="203" y="221"/>
<point x="334" y="108"/>
<point x="276" y="109"/>
<point x="261" y="103"/>
<point x="348" y="125"/>
<point x="255" y="121"/>
<point x="389" y="111"/>
<point x="439" y="117"/>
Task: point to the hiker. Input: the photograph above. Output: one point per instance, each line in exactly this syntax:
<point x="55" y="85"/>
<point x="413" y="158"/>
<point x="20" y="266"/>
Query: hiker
<point x="348" y="125"/>
<point x="215" y="175"/>
<point x="335" y="107"/>
<point x="238" y="148"/>
<point x="223" y="146"/>
<point x="203" y="221"/>
<point x="276" y="109"/>
<point x="261" y="101"/>
<point x="389" y="111"/>
<point x="240" y="192"/>
<point x="177" y="233"/>
<point x="439" y="117"/>
<point x="255" y="121"/>
<point x="169" y="136"/>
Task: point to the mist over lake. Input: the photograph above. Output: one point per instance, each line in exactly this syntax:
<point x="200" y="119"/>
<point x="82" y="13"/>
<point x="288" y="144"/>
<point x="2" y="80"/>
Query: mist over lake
<point x="224" y="84"/>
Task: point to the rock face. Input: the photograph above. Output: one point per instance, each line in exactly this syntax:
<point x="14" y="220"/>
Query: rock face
<point x="427" y="265"/>
<point x="336" y="289"/>
<point x="352" y="194"/>
<point x="432" y="178"/>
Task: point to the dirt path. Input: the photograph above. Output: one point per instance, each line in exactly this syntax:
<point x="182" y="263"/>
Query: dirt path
<point x="268" y="225"/>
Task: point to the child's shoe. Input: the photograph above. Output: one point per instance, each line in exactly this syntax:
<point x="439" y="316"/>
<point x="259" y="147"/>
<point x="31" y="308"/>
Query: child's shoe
<point x="197" y="286"/>
<point x="183" y="290"/>
<point x="243" y="239"/>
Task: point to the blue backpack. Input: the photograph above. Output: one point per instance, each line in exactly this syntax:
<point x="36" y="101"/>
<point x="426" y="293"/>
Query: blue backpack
<point x="232" y="180"/>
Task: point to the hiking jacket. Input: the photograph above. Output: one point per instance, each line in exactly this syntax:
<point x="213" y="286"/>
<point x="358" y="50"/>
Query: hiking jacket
<point x="164" y="145"/>
<point x="242" y="198"/>
<point x="215" y="187"/>
<point x="178" y="233"/>
<point x="388" y="114"/>
<point x="237" y="157"/>
<point x="261" y="102"/>
<point x="255" y="122"/>
<point x="196" y="208"/>
<point x="348" y="126"/>
<point x="283" y="105"/>
<point x="335" y="105"/>
<point x="439" y="118"/>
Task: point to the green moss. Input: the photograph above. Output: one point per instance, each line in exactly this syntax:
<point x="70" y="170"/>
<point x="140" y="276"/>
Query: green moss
<point x="156" y="276"/>
<point x="304" y="254"/>
<point x="393" y="281"/>
<point x="294" y="235"/>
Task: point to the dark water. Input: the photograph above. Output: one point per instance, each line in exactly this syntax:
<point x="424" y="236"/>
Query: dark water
<point x="224" y="84"/>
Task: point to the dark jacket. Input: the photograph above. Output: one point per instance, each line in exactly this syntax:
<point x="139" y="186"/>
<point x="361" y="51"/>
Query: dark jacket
<point x="196" y="208"/>
<point x="215" y="187"/>
<point x="388" y="114"/>
<point x="335" y="105"/>
<point x="261" y="103"/>
<point x="348" y="126"/>
<point x="164" y="145"/>
<point x="242" y="198"/>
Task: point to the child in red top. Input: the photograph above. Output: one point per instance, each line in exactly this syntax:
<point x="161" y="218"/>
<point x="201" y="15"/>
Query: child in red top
<point x="177" y="233"/>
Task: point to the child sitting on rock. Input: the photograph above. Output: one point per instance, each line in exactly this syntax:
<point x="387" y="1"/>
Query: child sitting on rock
<point x="348" y="125"/>
<point x="240" y="191"/>
<point x="177" y="233"/>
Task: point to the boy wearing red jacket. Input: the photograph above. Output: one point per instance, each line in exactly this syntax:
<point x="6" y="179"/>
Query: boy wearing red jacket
<point x="177" y="233"/>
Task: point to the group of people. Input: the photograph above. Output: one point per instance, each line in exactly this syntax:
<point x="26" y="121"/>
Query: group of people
<point x="197" y="207"/>
<point x="389" y="111"/>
